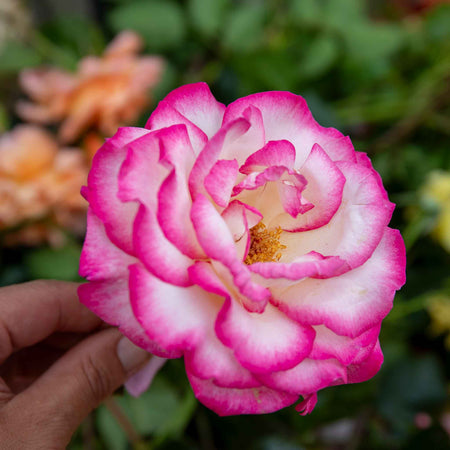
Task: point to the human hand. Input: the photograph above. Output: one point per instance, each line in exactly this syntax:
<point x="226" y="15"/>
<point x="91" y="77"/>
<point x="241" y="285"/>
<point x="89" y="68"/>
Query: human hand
<point x="57" y="363"/>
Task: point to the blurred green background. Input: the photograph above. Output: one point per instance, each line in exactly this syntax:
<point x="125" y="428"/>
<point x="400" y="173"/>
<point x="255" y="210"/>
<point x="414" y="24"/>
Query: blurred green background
<point x="378" y="71"/>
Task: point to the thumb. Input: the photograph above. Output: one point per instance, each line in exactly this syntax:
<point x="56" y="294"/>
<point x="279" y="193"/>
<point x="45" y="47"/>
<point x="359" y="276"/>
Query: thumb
<point x="53" y="407"/>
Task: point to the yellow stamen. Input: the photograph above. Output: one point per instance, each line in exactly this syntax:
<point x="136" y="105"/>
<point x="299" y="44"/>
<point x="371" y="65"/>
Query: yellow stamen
<point x="265" y="244"/>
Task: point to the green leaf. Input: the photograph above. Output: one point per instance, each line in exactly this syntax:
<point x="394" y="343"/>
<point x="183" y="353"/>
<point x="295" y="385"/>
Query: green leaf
<point x="244" y="29"/>
<point x="319" y="57"/>
<point x="180" y="417"/>
<point x="208" y="16"/>
<point x="56" y="263"/>
<point x="112" y="435"/>
<point x="437" y="23"/>
<point x="15" y="56"/>
<point x="153" y="410"/>
<point x="266" y="70"/>
<point x="306" y="11"/>
<point x="341" y="13"/>
<point x="160" y="23"/>
<point x="66" y="32"/>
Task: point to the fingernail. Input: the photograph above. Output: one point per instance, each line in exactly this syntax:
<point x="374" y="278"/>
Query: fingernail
<point x="131" y="356"/>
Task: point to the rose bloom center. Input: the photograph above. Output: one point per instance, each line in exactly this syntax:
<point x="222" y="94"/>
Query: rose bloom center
<point x="265" y="244"/>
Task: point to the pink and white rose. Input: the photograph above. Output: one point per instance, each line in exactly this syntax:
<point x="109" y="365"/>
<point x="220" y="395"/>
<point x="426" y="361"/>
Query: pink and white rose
<point x="247" y="239"/>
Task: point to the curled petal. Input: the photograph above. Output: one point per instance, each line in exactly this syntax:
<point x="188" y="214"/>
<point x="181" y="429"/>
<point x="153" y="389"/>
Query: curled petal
<point x="208" y="225"/>
<point x="165" y="115"/>
<point x="103" y="188"/>
<point x="286" y="116"/>
<point x="312" y="265"/>
<point x="274" y="153"/>
<point x="159" y="255"/>
<point x="307" y="377"/>
<point x="229" y="401"/>
<point x="365" y="161"/>
<point x="100" y="258"/>
<point x="210" y="154"/>
<point x="174" y="317"/>
<point x="196" y="104"/>
<point x="250" y="141"/>
<point x="307" y="405"/>
<point x="140" y="381"/>
<point x="174" y="206"/>
<point x="110" y="300"/>
<point x="141" y="174"/>
<point x="325" y="184"/>
<point x="240" y="218"/>
<point x="220" y="181"/>
<point x="328" y="344"/>
<point x="355" y="301"/>
<point x="368" y="368"/>
<point x="357" y="227"/>
<point x="264" y="342"/>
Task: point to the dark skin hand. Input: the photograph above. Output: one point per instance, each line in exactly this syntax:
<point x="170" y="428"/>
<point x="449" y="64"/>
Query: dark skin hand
<point x="58" y="361"/>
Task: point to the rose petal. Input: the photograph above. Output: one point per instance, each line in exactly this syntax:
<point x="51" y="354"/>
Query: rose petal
<point x="141" y="381"/>
<point x="307" y="405"/>
<point x="328" y="344"/>
<point x="263" y="342"/>
<point x="158" y="254"/>
<point x="274" y="153"/>
<point x="211" y="360"/>
<point x="325" y="184"/>
<point x="110" y="300"/>
<point x="286" y="116"/>
<point x="194" y="106"/>
<point x="220" y="181"/>
<point x="240" y="218"/>
<point x="103" y="188"/>
<point x="312" y="265"/>
<point x="100" y="258"/>
<point x="307" y="377"/>
<point x="196" y="103"/>
<point x="368" y="368"/>
<point x="208" y="225"/>
<point x="174" y="206"/>
<point x="210" y="154"/>
<point x="357" y="227"/>
<point x="351" y="303"/>
<point x="249" y="142"/>
<point x="228" y="401"/>
<point x="174" y="317"/>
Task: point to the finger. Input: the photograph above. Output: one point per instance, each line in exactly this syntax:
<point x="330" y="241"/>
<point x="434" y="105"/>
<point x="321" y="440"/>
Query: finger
<point x="23" y="367"/>
<point x="60" y="399"/>
<point x="5" y="392"/>
<point x="32" y="311"/>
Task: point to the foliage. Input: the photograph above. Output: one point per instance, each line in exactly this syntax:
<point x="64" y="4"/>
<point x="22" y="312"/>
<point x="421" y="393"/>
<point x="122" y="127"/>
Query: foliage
<point x="380" y="75"/>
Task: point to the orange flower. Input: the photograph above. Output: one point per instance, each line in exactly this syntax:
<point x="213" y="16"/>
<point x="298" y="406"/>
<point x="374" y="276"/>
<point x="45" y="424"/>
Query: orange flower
<point x="105" y="93"/>
<point x="37" y="179"/>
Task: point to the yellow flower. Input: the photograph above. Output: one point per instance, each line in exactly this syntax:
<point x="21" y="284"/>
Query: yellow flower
<point x="437" y="191"/>
<point x="439" y="311"/>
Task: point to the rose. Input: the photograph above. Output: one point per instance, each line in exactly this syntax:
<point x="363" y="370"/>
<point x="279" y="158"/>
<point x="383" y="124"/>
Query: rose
<point x="248" y="239"/>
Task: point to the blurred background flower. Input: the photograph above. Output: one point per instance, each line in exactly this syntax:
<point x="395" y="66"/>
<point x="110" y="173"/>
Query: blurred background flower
<point x="104" y="93"/>
<point x="38" y="180"/>
<point x="436" y="192"/>
<point x="378" y="70"/>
